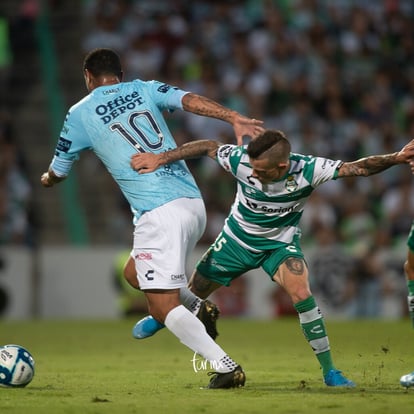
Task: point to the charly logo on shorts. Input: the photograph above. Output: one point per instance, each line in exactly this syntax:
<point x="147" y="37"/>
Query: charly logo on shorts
<point x="178" y="277"/>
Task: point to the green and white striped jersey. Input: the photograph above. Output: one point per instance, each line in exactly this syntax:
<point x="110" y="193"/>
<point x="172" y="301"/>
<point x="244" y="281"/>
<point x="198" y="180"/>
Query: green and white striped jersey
<point x="265" y="215"/>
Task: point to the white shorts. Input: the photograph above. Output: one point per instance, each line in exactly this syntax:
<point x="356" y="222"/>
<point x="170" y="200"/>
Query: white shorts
<point x="163" y="239"/>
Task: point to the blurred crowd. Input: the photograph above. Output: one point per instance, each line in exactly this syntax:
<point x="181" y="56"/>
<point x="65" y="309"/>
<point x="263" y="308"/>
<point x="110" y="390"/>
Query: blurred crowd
<point x="15" y="190"/>
<point x="16" y="207"/>
<point x="337" y="76"/>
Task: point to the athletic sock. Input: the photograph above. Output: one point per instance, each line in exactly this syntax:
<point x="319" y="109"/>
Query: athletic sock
<point x="410" y="299"/>
<point x="313" y="327"/>
<point x="192" y="333"/>
<point x="189" y="300"/>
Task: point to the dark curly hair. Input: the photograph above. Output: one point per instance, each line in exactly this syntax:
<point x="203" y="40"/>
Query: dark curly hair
<point x="103" y="62"/>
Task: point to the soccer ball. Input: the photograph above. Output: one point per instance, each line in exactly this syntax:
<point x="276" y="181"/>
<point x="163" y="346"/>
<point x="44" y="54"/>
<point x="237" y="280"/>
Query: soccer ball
<point x="407" y="380"/>
<point x="16" y="366"/>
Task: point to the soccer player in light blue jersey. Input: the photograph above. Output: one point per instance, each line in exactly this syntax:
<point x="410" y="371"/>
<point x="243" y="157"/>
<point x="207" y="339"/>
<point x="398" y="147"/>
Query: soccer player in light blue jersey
<point x="262" y="229"/>
<point x="115" y="120"/>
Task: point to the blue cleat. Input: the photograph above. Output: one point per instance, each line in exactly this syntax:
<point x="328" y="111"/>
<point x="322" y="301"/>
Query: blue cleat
<point x="334" y="378"/>
<point x="407" y="380"/>
<point x="208" y="314"/>
<point x="146" y="327"/>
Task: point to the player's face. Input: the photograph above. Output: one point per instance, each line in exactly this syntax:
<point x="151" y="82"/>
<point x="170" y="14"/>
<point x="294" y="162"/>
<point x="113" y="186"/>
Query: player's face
<point x="266" y="171"/>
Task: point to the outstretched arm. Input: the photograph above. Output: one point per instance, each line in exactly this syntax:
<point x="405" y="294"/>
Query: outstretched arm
<point x="242" y="125"/>
<point x="147" y="162"/>
<point x="377" y="163"/>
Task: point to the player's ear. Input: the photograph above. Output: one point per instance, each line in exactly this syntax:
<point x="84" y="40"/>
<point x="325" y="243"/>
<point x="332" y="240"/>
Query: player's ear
<point x="86" y="75"/>
<point x="88" y="80"/>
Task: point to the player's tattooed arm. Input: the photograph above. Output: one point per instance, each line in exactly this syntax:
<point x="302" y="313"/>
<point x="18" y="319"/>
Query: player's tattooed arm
<point x="367" y="166"/>
<point x="148" y="162"/>
<point x="377" y="163"/>
<point x="204" y="106"/>
<point x="193" y="149"/>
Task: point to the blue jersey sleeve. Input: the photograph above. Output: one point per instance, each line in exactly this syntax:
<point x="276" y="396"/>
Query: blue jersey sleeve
<point x="73" y="139"/>
<point x="165" y="96"/>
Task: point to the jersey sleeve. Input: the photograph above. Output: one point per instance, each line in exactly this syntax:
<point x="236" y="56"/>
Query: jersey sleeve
<point x="228" y="156"/>
<point x="72" y="141"/>
<point x="325" y="170"/>
<point x="166" y="96"/>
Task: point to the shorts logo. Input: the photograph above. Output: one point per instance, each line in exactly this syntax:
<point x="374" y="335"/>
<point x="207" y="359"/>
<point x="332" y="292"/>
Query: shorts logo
<point x="178" y="277"/>
<point x="148" y="275"/>
<point x="144" y="256"/>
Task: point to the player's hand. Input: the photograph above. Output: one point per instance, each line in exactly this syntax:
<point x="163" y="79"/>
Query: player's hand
<point x="406" y="155"/>
<point x="45" y="180"/>
<point x="145" y="162"/>
<point x="243" y="126"/>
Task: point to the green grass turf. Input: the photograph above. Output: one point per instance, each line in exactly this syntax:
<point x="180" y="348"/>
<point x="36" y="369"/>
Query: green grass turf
<point x="87" y="367"/>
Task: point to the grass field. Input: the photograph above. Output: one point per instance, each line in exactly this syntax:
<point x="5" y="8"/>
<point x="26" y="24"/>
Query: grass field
<point x="87" y="367"/>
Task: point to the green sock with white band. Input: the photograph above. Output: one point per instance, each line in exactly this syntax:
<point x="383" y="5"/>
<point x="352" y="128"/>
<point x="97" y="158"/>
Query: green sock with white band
<point x="313" y="328"/>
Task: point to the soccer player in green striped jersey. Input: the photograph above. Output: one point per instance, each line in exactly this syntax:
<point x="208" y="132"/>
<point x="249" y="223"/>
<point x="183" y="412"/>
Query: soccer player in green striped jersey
<point x="408" y="379"/>
<point x="262" y="229"/>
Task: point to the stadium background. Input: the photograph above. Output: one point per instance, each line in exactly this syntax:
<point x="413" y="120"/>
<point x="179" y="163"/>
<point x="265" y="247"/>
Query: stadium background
<point x="336" y="76"/>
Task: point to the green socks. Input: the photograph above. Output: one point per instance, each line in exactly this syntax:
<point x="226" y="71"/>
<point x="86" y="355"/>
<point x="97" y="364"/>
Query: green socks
<point x="313" y="328"/>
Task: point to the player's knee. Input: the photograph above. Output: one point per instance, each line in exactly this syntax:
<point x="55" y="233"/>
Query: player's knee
<point x="300" y="294"/>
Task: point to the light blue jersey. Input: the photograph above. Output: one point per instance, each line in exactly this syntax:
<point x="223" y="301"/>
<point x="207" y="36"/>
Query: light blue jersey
<point x="116" y="121"/>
